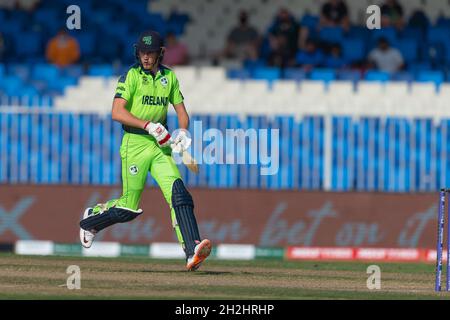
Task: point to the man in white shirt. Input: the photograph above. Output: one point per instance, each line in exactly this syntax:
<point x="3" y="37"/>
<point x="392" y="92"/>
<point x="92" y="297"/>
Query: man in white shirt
<point x="386" y="58"/>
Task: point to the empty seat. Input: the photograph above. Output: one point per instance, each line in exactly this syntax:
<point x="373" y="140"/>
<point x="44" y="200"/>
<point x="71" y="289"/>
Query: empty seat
<point x="269" y="74"/>
<point x="370" y="88"/>
<point x="312" y="88"/>
<point x="423" y="89"/>
<point x="377" y="76"/>
<point x="437" y="77"/>
<point x="341" y="88"/>
<point x="325" y="75"/>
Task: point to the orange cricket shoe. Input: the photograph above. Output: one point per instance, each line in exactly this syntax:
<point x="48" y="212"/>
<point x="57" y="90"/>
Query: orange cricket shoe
<point x="201" y="252"/>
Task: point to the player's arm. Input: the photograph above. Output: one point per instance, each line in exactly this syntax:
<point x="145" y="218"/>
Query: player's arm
<point x="183" y="117"/>
<point x="177" y="100"/>
<point x="122" y="115"/>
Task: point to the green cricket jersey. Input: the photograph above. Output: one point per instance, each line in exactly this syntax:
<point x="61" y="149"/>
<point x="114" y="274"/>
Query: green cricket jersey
<point x="149" y="96"/>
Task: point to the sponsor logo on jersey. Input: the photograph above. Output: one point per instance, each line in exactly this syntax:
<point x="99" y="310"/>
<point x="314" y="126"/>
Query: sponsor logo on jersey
<point x="155" y="101"/>
<point x="120" y="88"/>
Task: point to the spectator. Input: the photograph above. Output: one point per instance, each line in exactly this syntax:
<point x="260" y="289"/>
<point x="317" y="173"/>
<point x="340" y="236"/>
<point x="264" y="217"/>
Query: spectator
<point x="385" y="58"/>
<point x="286" y="27"/>
<point x="176" y="53"/>
<point x="243" y="40"/>
<point x="419" y="20"/>
<point x="310" y="57"/>
<point x="281" y="55"/>
<point x="335" y="14"/>
<point x="62" y="49"/>
<point x="392" y="14"/>
<point x="335" y="60"/>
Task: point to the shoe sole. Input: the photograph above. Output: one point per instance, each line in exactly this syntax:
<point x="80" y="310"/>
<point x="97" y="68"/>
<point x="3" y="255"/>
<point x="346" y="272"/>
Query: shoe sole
<point x="203" y="252"/>
<point x="85" y="215"/>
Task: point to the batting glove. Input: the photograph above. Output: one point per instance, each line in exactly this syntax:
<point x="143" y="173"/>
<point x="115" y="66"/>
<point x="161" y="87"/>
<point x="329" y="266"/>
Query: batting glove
<point x="182" y="141"/>
<point x="160" y="133"/>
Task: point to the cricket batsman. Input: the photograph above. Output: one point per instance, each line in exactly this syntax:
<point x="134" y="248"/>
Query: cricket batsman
<point x="140" y="104"/>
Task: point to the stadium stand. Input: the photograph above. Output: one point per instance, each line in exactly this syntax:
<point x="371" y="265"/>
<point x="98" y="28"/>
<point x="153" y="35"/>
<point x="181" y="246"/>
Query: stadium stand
<point x="384" y="129"/>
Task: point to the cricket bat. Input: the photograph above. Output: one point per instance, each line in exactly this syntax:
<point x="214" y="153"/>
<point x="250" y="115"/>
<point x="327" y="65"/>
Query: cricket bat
<point x="187" y="159"/>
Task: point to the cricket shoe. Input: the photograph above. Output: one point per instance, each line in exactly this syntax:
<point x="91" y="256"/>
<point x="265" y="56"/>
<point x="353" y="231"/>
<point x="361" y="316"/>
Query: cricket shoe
<point x="86" y="237"/>
<point x="201" y="252"/>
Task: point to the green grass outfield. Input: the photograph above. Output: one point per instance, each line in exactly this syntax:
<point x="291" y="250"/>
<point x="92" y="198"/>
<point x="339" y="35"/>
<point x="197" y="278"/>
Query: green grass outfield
<point x="44" y="277"/>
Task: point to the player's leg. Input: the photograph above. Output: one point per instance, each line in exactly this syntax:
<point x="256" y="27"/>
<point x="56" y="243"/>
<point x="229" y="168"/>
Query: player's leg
<point x="136" y="160"/>
<point x="166" y="174"/>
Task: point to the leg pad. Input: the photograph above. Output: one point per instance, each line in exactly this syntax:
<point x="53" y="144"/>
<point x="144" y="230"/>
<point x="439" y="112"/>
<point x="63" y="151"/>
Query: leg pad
<point x="109" y="217"/>
<point x="183" y="206"/>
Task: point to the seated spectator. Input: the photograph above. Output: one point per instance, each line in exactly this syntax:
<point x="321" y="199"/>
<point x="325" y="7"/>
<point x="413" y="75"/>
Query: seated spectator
<point x="386" y="58"/>
<point x="335" y="60"/>
<point x="281" y="55"/>
<point x="392" y="14"/>
<point x="310" y="57"/>
<point x="335" y="14"/>
<point x="175" y="53"/>
<point x="419" y="19"/>
<point x="63" y="49"/>
<point x="286" y="26"/>
<point x="243" y="40"/>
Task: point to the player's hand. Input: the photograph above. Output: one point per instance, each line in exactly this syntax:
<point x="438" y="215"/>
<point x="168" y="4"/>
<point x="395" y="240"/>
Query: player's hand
<point x="160" y="133"/>
<point x="182" y="141"/>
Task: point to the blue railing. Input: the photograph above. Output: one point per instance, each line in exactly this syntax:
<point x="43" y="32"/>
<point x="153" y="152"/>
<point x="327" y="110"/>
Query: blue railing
<point x="335" y="153"/>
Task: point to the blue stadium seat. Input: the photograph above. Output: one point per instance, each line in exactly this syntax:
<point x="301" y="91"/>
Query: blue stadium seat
<point x="358" y="32"/>
<point x="431" y="76"/>
<point x="251" y="65"/>
<point x="331" y="34"/>
<point x="266" y="74"/>
<point x="28" y="94"/>
<point x="12" y="27"/>
<point x="86" y="42"/>
<point x="238" y="74"/>
<point x="2" y="70"/>
<point x="353" y="49"/>
<point x="119" y="29"/>
<point x="11" y="85"/>
<point x="403" y="76"/>
<point x="28" y="44"/>
<point x="419" y="66"/>
<point x="294" y="74"/>
<point x="377" y="76"/>
<point x="46" y="72"/>
<point x="62" y="83"/>
<point x="349" y="75"/>
<point x="408" y="48"/>
<point x="104" y="70"/>
<point x="23" y="71"/>
<point x="326" y="75"/>
<point x="74" y="71"/>
<point x="388" y="33"/>
<point x="414" y="33"/>
<point x="437" y="35"/>
<point x="108" y="49"/>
